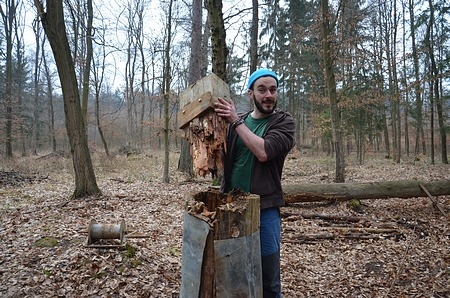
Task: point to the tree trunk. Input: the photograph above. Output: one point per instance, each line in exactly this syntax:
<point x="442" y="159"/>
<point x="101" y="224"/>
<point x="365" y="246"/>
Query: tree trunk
<point x="166" y="89"/>
<point x="332" y="94"/>
<point x="87" y="62"/>
<point x="218" y="39"/>
<point x="296" y="193"/>
<point x="53" y="23"/>
<point x="36" y="82"/>
<point x="51" y="111"/>
<point x="8" y="30"/>
<point x="435" y="81"/>
<point x="420" y="139"/>
<point x="185" y="163"/>
<point x="254" y="37"/>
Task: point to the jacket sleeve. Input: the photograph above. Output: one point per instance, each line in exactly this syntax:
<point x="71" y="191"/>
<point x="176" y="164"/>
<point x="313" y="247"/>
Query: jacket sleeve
<point x="280" y="137"/>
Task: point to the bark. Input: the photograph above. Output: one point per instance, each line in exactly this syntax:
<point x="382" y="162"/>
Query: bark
<point x="166" y="87"/>
<point x="332" y="93"/>
<point x="435" y="81"/>
<point x="185" y="163"/>
<point x="87" y="66"/>
<point x="420" y="139"/>
<point x="51" y="111"/>
<point x="218" y="39"/>
<point x="254" y="37"/>
<point x="54" y="26"/>
<point x="7" y="18"/>
<point x="296" y="193"/>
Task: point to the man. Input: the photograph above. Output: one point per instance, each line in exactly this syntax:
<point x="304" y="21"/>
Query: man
<point x="256" y="147"/>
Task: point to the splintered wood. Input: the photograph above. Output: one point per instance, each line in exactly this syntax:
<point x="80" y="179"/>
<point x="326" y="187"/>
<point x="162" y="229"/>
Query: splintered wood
<point x="207" y="135"/>
<point x="231" y="215"/>
<point x="205" y="131"/>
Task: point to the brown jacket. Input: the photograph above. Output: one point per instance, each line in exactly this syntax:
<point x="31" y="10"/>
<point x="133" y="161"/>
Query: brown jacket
<point x="279" y="139"/>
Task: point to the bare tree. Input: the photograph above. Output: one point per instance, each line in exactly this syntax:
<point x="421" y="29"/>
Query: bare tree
<point x="434" y="86"/>
<point x="328" y="55"/>
<point x="98" y="72"/>
<point x="87" y="62"/>
<point x="7" y="18"/>
<point x="37" y="33"/>
<point x="52" y="19"/>
<point x="254" y="37"/>
<point x="166" y="88"/>
<point x="185" y="163"/>
<point x="51" y="112"/>
<point x="420" y="138"/>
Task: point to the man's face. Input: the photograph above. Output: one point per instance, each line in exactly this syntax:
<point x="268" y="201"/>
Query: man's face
<point x="264" y="95"/>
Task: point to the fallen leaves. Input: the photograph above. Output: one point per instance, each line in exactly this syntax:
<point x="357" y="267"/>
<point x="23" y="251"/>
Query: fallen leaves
<point x="414" y="263"/>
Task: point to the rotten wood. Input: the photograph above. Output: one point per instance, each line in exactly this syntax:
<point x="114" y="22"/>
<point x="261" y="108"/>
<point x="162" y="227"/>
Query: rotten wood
<point x="296" y="193"/>
<point x="207" y="137"/>
<point x="202" y="127"/>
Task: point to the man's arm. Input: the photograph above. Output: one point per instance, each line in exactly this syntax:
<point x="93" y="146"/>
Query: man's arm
<point x="254" y="143"/>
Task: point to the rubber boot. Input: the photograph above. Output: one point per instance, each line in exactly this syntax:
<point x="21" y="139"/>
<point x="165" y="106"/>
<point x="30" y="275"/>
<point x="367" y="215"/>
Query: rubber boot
<point x="271" y="275"/>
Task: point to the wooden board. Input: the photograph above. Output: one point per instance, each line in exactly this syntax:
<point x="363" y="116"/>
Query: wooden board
<point x="199" y="97"/>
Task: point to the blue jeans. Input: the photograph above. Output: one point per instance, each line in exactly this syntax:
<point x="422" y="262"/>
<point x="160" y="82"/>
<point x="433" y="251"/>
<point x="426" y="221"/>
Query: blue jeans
<point x="270" y="237"/>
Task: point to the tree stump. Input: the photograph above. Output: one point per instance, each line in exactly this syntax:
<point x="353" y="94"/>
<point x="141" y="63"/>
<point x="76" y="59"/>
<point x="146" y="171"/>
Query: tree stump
<point x="221" y="255"/>
<point x="202" y="127"/>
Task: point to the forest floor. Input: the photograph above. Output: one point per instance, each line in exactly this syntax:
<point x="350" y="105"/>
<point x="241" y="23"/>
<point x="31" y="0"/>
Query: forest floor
<point x="384" y="248"/>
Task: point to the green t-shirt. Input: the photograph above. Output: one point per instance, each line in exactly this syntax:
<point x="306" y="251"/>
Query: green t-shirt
<point x="243" y="162"/>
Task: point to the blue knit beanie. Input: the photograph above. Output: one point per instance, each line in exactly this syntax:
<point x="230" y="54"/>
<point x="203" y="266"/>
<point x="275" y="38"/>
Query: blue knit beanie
<point x="259" y="73"/>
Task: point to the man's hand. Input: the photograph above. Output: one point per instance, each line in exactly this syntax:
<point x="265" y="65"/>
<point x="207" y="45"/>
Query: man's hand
<point x="226" y="110"/>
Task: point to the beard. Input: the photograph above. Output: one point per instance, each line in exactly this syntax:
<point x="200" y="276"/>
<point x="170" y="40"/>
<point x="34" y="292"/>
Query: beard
<point x="263" y="110"/>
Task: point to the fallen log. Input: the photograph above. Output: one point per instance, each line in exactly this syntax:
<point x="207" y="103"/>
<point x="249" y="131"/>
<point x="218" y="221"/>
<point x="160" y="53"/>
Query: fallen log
<point x="296" y="193"/>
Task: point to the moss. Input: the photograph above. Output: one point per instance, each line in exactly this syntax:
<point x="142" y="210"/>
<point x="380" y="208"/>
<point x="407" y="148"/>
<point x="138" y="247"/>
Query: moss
<point x="46" y="242"/>
<point x="174" y="251"/>
<point x="355" y="205"/>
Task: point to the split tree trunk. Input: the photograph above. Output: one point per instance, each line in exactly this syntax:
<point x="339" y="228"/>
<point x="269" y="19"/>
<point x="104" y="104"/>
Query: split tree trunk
<point x="221" y="254"/>
<point x="296" y="193"/>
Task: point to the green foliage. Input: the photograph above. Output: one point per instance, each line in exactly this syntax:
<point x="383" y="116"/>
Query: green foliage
<point x="47" y="272"/>
<point x="128" y="257"/>
<point x="130" y="251"/>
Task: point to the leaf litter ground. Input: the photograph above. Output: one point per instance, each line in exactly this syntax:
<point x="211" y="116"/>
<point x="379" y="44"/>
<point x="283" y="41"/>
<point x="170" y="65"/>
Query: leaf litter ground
<point x="383" y="248"/>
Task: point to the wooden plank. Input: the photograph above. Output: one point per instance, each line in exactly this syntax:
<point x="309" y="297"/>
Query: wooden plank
<point x="194" y="109"/>
<point x="200" y="96"/>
